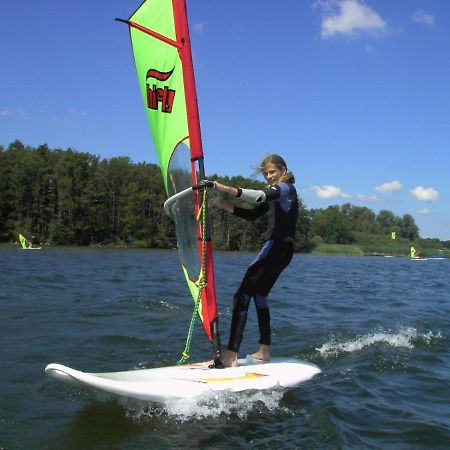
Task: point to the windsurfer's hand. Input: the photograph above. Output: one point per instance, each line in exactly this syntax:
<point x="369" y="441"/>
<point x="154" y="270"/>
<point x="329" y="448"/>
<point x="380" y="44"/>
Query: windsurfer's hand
<point x="205" y="184"/>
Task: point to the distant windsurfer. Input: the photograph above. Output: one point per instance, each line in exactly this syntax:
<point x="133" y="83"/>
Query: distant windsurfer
<point x="414" y="253"/>
<point x="280" y="201"/>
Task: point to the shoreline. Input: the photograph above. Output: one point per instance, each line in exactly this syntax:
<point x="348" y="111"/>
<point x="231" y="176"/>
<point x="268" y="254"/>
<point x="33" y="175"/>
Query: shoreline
<point x="320" y="249"/>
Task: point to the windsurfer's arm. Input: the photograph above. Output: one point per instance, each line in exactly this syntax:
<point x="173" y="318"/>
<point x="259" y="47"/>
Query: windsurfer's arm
<point x="251" y="214"/>
<point x="249" y="195"/>
<point x="226" y="189"/>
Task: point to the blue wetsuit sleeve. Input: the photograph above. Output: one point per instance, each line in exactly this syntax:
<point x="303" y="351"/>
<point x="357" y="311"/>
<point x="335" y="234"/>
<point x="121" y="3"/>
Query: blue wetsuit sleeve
<point x="278" y="192"/>
<point x="275" y="192"/>
<point x="251" y="214"/>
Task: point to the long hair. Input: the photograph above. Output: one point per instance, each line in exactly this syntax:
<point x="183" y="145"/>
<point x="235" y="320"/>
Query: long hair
<point x="278" y="161"/>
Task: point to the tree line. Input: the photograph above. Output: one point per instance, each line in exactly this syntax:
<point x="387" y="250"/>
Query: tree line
<point x="65" y="197"/>
<point x="73" y="198"/>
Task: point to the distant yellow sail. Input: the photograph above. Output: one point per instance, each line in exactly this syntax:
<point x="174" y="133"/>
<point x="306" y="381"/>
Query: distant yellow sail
<point x="23" y="241"/>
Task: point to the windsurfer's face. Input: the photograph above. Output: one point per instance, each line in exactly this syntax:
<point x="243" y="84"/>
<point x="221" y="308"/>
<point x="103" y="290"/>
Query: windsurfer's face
<point x="273" y="173"/>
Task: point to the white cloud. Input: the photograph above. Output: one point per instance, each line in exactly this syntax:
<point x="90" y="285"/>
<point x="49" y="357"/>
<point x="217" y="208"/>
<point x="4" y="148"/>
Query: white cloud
<point x="70" y="116"/>
<point x="367" y="198"/>
<point x="329" y="191"/>
<point x="387" y="188"/>
<point x="199" y="27"/>
<point x="72" y="112"/>
<point x="425" y="194"/>
<point x="12" y="112"/>
<point x="423" y="211"/>
<point x="423" y="17"/>
<point x="349" y="17"/>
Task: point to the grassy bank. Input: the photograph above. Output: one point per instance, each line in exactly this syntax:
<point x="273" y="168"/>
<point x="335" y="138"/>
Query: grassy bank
<point x="388" y="249"/>
<point x="337" y="249"/>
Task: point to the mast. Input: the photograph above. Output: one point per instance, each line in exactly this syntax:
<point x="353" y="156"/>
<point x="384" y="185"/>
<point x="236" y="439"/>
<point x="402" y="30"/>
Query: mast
<point x="185" y="52"/>
<point x="160" y="38"/>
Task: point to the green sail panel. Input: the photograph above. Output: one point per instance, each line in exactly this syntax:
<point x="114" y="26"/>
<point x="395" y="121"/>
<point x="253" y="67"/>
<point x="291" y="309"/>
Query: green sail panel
<point x="160" y="75"/>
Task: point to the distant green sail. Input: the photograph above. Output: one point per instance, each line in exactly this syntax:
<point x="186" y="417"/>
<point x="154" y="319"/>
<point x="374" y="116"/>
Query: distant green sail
<point x="162" y="53"/>
<point x="23" y="241"/>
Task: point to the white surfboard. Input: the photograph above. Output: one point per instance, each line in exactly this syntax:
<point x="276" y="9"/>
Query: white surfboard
<point x="164" y="384"/>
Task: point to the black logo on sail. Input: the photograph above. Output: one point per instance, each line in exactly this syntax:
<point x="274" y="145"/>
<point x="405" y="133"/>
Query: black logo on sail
<point x="155" y="95"/>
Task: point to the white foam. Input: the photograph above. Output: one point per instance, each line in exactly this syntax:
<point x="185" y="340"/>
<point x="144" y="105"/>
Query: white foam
<point x="160" y="305"/>
<point x="405" y="337"/>
<point x="212" y="405"/>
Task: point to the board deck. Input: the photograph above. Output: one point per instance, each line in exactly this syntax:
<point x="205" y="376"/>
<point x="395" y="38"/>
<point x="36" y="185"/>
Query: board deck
<point x="190" y="380"/>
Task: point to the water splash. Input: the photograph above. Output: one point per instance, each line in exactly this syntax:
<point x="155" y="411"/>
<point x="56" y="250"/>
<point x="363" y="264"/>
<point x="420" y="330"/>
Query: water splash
<point x="158" y="305"/>
<point x="212" y="405"/>
<point x="404" y="338"/>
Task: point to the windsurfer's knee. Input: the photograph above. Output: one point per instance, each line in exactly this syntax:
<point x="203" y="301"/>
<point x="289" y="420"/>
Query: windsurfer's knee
<point x="261" y="301"/>
<point x="241" y="301"/>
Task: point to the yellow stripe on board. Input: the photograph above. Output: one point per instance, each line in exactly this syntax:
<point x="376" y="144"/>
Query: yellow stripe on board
<point x="221" y="380"/>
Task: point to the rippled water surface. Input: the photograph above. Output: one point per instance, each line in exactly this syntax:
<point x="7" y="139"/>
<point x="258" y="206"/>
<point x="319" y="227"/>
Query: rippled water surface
<point x="378" y="328"/>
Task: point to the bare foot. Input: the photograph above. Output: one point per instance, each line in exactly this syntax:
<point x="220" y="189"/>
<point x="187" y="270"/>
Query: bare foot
<point x="230" y="359"/>
<point x="213" y="364"/>
<point x="207" y="363"/>
<point x="263" y="353"/>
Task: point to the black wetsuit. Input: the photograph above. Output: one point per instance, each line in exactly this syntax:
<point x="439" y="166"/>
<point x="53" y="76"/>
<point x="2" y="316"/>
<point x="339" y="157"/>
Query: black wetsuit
<point x="282" y="205"/>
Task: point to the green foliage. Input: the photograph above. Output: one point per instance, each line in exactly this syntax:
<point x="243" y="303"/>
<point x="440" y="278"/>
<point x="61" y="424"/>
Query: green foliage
<point x="339" y="249"/>
<point x="231" y="232"/>
<point x="349" y="224"/>
<point x="74" y="198"/>
<point x="332" y="226"/>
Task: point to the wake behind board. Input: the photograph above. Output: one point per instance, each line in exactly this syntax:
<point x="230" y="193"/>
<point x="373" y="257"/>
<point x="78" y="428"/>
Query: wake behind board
<point x="161" y="385"/>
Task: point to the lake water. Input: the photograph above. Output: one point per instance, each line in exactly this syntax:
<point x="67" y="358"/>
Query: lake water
<point x="379" y="328"/>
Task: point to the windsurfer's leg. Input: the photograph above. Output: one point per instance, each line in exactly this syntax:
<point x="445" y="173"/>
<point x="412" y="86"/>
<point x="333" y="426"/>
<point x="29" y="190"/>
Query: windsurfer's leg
<point x="238" y="322"/>
<point x="264" y="279"/>
<point x="262" y="310"/>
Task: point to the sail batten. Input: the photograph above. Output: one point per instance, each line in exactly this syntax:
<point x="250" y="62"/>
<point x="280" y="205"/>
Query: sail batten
<point x="160" y="40"/>
<point x="155" y="34"/>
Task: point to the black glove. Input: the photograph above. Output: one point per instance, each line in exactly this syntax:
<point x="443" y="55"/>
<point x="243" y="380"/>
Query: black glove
<point x="204" y="184"/>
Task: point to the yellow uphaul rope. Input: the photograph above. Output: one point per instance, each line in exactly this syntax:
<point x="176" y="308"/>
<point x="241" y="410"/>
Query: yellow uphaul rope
<point x="201" y="282"/>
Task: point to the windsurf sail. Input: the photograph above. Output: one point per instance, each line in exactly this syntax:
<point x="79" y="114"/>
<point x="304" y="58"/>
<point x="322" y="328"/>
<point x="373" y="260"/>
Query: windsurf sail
<point x="23" y="241"/>
<point x="162" y="53"/>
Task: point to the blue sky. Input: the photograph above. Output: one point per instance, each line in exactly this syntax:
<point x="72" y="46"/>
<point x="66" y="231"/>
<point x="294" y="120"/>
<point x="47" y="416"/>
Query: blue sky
<point x="354" y="94"/>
